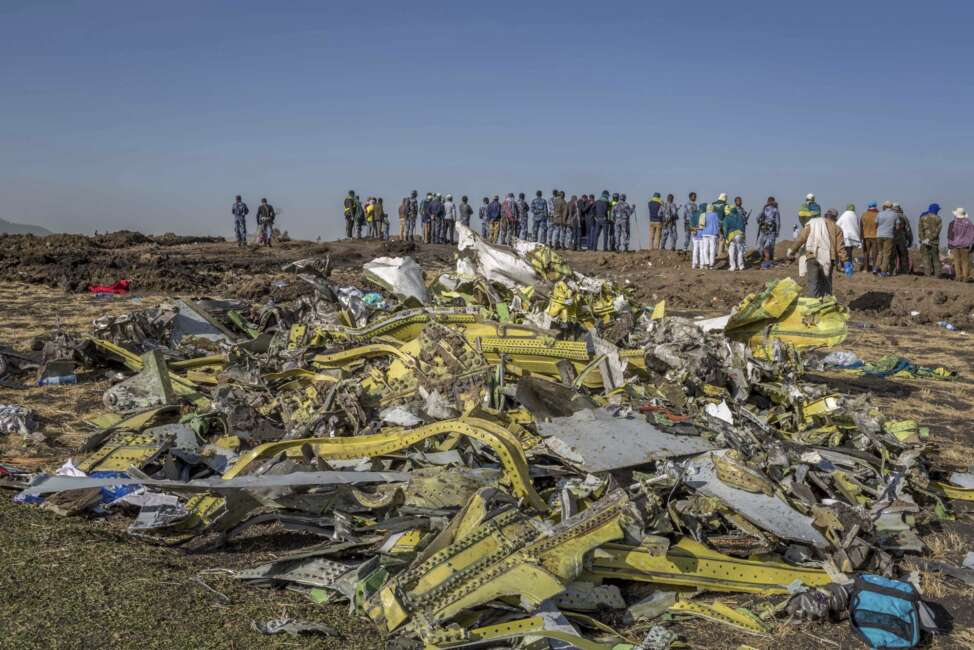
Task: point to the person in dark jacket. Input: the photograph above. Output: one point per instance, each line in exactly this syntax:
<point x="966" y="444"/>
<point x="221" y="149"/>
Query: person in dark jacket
<point x="349" y="210"/>
<point x="539" y="211"/>
<point x="240" y="211"/>
<point x="265" y="222"/>
<point x="494" y="218"/>
<point x="600" y="218"/>
<point x="656" y="219"/>
<point x="465" y="211"/>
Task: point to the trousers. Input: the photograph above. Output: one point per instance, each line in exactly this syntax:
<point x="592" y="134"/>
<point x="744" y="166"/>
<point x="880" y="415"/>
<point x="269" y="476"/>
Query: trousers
<point x="930" y="254"/>
<point x="655" y="234"/>
<point x="962" y="263"/>
<point x="885" y="263"/>
<point x="541" y="230"/>
<point x="709" y="250"/>
<point x="818" y="280"/>
<point x="622" y="234"/>
<point x="735" y="255"/>
<point x="349" y="225"/>
<point x="240" y="229"/>
<point x="669" y="234"/>
<point x="901" y="257"/>
<point x="688" y="233"/>
<point x="766" y="241"/>
<point x="696" y="260"/>
<point x="598" y="226"/>
<point x="870" y="254"/>
<point x="447" y="229"/>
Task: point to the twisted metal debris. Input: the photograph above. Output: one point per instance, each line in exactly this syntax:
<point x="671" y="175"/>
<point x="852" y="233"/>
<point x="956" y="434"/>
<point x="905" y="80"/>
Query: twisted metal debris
<point x="488" y="453"/>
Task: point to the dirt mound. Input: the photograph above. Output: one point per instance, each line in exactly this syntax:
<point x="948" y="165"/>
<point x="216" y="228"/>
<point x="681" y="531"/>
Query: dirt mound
<point x="120" y="239"/>
<point x="172" y="239"/>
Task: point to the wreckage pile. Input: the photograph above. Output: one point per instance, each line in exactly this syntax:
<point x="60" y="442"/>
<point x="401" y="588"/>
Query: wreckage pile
<point x="489" y="454"/>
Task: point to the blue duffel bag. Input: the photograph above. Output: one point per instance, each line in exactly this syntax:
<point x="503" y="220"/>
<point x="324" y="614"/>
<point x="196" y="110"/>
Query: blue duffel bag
<point x="884" y="612"/>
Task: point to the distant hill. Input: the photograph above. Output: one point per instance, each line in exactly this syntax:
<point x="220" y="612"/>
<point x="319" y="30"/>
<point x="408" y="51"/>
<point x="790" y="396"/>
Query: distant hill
<point x="8" y="228"/>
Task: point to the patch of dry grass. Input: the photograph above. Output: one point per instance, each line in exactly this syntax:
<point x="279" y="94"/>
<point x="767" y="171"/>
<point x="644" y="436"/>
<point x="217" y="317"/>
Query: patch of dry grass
<point x="944" y="544"/>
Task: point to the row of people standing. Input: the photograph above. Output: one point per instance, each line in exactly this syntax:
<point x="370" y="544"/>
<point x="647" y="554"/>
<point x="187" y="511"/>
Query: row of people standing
<point x="885" y="237"/>
<point x="369" y="216"/>
<point x="576" y="223"/>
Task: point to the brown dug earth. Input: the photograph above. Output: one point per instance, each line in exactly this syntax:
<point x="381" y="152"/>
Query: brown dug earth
<point x="81" y="583"/>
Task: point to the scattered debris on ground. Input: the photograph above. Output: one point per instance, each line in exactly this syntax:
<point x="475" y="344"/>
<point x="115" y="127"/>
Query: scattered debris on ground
<point x="508" y="451"/>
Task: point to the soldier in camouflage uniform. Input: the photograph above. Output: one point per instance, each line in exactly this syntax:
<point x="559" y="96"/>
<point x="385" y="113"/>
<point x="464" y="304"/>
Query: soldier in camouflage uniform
<point x="691" y="218"/>
<point x="484" y="225"/>
<point x="671" y="214"/>
<point x="412" y="212"/>
<point x="539" y="209"/>
<point x="523" y="214"/>
<point x="620" y="219"/>
<point x="930" y="227"/>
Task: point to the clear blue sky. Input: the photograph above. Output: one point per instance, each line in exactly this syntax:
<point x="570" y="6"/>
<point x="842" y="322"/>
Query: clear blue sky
<point x="153" y="115"/>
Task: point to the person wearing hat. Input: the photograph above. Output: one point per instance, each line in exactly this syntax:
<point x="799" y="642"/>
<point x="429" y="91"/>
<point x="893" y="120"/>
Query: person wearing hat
<point x="239" y="210"/>
<point x="929" y="232"/>
<point x="848" y="223"/>
<point x="870" y="246"/>
<point x="656" y="217"/>
<point x="722" y="210"/>
<point x="960" y="241"/>
<point x="885" y="227"/>
<point x="359" y="217"/>
<point x="808" y="210"/>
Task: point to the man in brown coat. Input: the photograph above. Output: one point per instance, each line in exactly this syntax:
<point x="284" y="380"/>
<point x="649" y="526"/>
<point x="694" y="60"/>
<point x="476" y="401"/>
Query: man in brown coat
<point x="870" y="247"/>
<point x="559" y="218"/>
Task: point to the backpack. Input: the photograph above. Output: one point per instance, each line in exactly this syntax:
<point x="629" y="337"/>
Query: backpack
<point x="887" y="613"/>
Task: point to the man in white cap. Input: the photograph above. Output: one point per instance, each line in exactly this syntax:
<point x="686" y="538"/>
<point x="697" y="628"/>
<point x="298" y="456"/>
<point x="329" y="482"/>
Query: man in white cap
<point x="720" y="207"/>
<point x="960" y="241"/>
<point x="808" y="210"/>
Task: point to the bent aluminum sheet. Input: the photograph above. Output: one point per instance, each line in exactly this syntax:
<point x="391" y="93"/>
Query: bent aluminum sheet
<point x="191" y="322"/>
<point x="400" y="275"/>
<point x="248" y="482"/>
<point x="495" y="264"/>
<point x="769" y="513"/>
<point x="962" y="479"/>
<point x="597" y="441"/>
